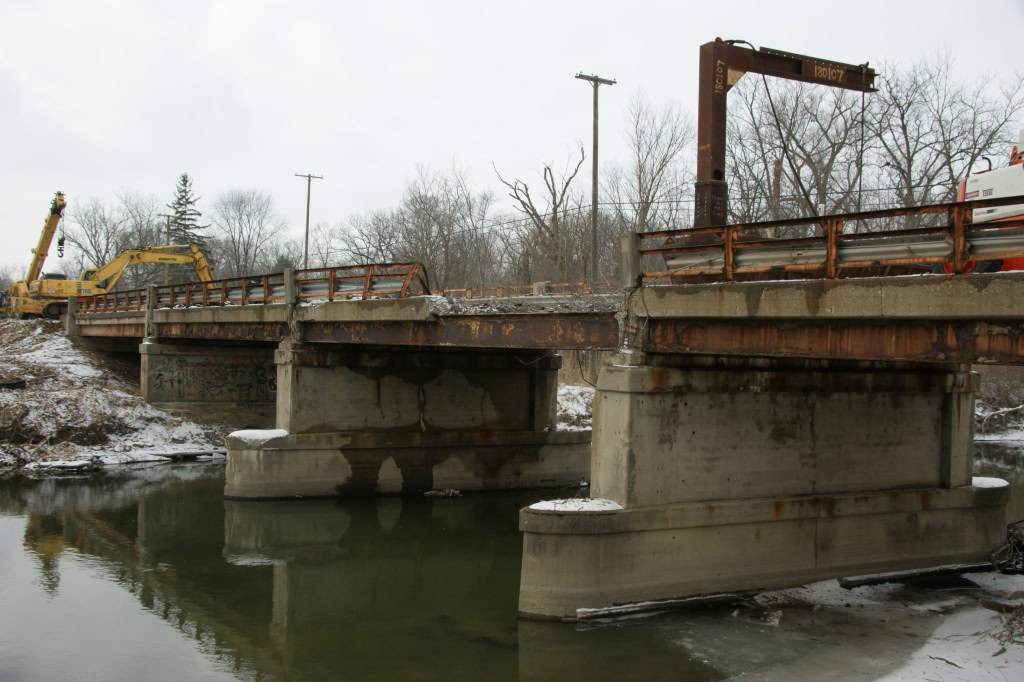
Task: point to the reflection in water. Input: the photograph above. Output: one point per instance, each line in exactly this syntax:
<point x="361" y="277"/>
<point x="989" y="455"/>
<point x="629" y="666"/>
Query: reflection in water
<point x="394" y="587"/>
<point x="44" y="540"/>
<point x="1003" y="460"/>
<point x="397" y="587"/>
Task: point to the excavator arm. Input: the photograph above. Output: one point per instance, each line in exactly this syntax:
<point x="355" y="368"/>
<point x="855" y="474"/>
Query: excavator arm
<point x="49" y="229"/>
<point x="107" y="276"/>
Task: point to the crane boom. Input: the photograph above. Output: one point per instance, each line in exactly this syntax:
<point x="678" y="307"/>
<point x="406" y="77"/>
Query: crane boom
<point x="39" y="253"/>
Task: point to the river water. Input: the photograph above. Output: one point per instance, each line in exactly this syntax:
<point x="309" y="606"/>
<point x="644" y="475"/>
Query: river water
<point x="149" y="574"/>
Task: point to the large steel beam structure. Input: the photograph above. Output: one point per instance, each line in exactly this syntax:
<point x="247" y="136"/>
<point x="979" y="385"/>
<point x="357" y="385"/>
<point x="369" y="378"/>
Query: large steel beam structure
<point x="722" y="63"/>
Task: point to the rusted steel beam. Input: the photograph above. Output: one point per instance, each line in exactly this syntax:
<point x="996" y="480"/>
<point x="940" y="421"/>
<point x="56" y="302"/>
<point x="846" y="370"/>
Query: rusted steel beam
<point x="939" y="341"/>
<point x="227" y="331"/>
<point x="113" y="330"/>
<point x="721" y="66"/>
<point x="567" y="331"/>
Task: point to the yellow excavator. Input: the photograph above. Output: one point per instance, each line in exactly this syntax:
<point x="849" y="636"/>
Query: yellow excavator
<point x="48" y="297"/>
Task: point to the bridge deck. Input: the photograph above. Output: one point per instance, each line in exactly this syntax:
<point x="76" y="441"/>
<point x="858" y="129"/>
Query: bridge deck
<point x="967" y="318"/>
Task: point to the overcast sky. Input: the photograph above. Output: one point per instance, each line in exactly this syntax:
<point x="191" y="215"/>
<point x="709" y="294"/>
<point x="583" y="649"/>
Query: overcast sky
<point x="102" y="96"/>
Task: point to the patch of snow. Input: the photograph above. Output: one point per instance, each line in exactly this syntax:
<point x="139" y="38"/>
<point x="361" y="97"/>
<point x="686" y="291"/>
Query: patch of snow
<point x="73" y="464"/>
<point x="829" y="593"/>
<point x="575" y="407"/>
<point x="439" y="305"/>
<point x="248" y="560"/>
<point x="577" y="505"/>
<point x="258" y="436"/>
<point x="963" y="648"/>
<point x="130" y="458"/>
<point x="985" y="482"/>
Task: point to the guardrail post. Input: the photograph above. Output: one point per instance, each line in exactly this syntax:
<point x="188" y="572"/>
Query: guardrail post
<point x="540" y="288"/>
<point x="291" y="289"/>
<point x="730" y="256"/>
<point x="831" y="247"/>
<point x="151" y="301"/>
<point x="959" y="239"/>
<point x="71" y="327"/>
<point x="631" y="273"/>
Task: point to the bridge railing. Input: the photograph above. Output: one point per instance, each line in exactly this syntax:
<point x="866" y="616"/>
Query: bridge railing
<point x="353" y="282"/>
<point x="751" y="251"/>
<point x="388" y="280"/>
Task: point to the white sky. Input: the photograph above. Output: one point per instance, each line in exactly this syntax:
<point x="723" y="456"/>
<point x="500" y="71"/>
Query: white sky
<point x="102" y="96"/>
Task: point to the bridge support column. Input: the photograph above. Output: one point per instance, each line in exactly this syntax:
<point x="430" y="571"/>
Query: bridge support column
<point x="742" y="474"/>
<point x="367" y="420"/>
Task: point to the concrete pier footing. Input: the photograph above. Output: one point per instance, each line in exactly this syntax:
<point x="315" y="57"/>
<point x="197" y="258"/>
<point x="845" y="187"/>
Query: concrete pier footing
<point x="368" y="463"/>
<point x="748" y="474"/>
<point x="365" y="420"/>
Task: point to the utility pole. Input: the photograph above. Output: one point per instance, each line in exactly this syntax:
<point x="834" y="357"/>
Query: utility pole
<point x="595" y="82"/>
<point x="309" y="184"/>
<point x="167" y="242"/>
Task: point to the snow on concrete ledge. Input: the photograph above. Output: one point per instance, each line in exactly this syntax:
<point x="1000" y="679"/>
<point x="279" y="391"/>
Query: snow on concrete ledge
<point x="254" y="437"/>
<point x="577" y="505"/>
<point x="984" y="482"/>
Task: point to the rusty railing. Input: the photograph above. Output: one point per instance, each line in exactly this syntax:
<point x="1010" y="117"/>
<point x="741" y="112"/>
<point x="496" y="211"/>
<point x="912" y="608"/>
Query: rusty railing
<point x="353" y="282"/>
<point x="725" y="251"/>
<point x="388" y="280"/>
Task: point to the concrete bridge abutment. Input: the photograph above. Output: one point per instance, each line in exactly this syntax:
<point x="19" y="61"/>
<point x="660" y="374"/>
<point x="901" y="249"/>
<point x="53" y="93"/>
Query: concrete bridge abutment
<point x="196" y="373"/>
<point x="744" y="474"/>
<point x="357" y="420"/>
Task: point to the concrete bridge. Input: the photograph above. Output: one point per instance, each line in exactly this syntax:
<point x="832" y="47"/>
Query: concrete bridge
<point x="755" y="434"/>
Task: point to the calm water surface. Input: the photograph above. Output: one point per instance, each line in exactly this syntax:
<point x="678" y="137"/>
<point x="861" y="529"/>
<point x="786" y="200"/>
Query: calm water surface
<point x="149" y="574"/>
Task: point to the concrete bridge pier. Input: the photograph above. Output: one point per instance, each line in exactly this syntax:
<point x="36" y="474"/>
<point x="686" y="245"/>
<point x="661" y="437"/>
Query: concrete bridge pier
<point x="744" y="474"/>
<point x="356" y="420"/>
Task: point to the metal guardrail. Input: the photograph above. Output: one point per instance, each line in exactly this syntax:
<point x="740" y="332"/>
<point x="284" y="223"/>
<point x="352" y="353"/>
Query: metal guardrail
<point x="388" y="280"/>
<point x="356" y="282"/>
<point x="722" y="252"/>
<point x="729" y="250"/>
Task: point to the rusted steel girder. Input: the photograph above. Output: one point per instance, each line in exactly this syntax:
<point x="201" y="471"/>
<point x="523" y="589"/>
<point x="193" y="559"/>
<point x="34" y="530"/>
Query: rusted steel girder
<point x="560" y="331"/>
<point x="113" y="330"/>
<point x="226" y="331"/>
<point x="977" y="342"/>
<point x="721" y="66"/>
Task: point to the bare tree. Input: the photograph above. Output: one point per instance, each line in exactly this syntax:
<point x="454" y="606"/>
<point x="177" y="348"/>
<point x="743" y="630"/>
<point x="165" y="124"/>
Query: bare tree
<point x="802" y="150"/>
<point x="373" y="238"/>
<point x="9" y="273"/>
<point x="99" y="231"/>
<point x="142" y="229"/>
<point x="650" y="190"/>
<point x="551" y="220"/>
<point x="325" y="249"/>
<point x="441" y="222"/>
<point x="246" y="222"/>
<point x="793" y="151"/>
<point x="931" y="129"/>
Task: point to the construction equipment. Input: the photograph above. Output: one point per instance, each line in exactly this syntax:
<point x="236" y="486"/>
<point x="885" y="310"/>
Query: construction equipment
<point x="17" y="292"/>
<point x="993" y="184"/>
<point x="47" y="296"/>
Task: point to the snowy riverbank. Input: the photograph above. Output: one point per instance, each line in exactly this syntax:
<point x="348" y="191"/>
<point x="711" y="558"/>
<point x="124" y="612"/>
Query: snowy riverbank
<point x="80" y="409"/>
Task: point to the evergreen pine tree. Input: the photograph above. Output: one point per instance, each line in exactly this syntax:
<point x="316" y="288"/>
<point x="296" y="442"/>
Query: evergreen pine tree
<point x="185" y="227"/>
